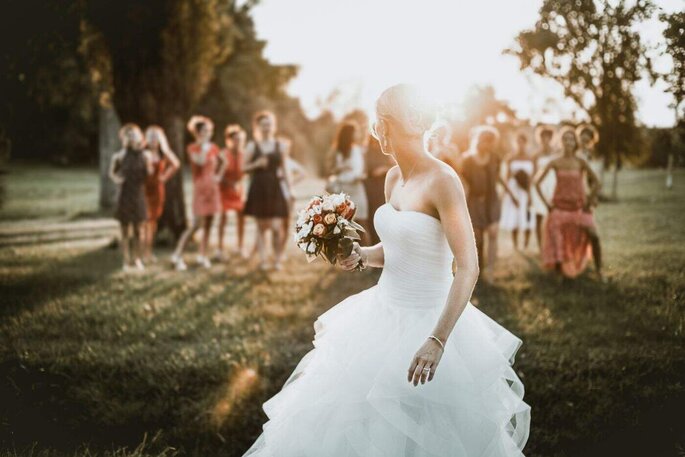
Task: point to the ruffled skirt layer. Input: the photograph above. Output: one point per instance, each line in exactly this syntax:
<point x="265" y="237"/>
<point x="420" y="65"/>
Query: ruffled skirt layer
<point x="349" y="396"/>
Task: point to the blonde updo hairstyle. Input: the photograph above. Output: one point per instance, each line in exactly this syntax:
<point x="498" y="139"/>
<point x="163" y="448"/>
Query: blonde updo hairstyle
<point x="402" y="113"/>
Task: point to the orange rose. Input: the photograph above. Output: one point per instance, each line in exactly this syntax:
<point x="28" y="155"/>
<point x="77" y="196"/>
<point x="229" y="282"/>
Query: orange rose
<point x="317" y="218"/>
<point x="349" y="213"/>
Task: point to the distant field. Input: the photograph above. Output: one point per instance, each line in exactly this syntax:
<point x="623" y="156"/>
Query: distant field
<point x="90" y="356"/>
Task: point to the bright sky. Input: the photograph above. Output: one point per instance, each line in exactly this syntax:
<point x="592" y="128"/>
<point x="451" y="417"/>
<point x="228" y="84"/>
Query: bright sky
<point x="364" y="46"/>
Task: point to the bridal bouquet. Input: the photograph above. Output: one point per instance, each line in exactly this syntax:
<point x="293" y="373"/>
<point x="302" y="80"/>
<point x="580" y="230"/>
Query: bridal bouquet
<point x="325" y="227"/>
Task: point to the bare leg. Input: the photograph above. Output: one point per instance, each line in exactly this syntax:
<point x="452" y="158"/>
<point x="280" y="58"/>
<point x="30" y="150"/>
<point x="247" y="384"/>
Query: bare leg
<point x="187" y="234"/>
<point x="515" y="238"/>
<point x="526" y="238"/>
<point x="277" y="240"/>
<point x="137" y="244"/>
<point x="260" y="245"/>
<point x="596" y="251"/>
<point x="206" y="232"/>
<point x="222" y="227"/>
<point x="152" y="233"/>
<point x="125" y="246"/>
<point x="240" y="227"/>
<point x="283" y="229"/>
<point x="538" y="230"/>
<point x="492" y="231"/>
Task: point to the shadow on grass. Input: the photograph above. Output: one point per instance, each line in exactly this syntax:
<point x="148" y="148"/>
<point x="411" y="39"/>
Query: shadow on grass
<point x="52" y="280"/>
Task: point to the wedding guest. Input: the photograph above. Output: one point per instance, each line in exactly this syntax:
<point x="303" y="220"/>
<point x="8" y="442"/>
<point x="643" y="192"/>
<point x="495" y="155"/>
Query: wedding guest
<point x="231" y="187"/>
<point x="377" y="166"/>
<point x="571" y="237"/>
<point x="207" y="167"/>
<point x="481" y="174"/>
<point x="441" y="146"/>
<point x="165" y="165"/>
<point x="516" y="210"/>
<point x="296" y="173"/>
<point x="587" y="138"/>
<point x="545" y="137"/>
<point x="266" y="201"/>
<point x="129" y="168"/>
<point x="349" y="172"/>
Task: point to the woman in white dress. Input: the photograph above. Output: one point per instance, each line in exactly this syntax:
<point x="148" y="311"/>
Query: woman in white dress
<point x="349" y="171"/>
<point x="408" y="367"/>
<point x="516" y="208"/>
<point x="545" y="137"/>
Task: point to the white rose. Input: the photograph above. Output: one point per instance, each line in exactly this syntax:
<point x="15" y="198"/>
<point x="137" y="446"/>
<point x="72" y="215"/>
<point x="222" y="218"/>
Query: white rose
<point x="330" y="218"/>
<point x="327" y="206"/>
<point x="304" y="231"/>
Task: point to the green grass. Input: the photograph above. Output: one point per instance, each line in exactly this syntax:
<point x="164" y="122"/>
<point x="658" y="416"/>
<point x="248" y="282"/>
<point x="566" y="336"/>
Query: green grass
<point x="92" y="361"/>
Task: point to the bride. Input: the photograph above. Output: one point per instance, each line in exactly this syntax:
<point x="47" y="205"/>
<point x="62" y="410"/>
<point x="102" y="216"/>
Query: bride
<point x="408" y="367"/>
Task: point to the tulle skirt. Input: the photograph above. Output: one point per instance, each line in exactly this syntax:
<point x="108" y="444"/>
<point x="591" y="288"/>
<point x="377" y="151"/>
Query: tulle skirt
<point x="349" y="396"/>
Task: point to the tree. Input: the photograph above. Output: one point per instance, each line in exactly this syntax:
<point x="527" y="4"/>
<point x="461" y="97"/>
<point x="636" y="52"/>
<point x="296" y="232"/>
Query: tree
<point x="163" y="54"/>
<point x="47" y="104"/>
<point x="675" y="47"/>
<point x="246" y="82"/>
<point x="593" y="50"/>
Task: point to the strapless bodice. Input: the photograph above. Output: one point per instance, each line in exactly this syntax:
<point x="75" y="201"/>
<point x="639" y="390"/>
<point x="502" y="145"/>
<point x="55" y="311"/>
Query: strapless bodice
<point x="417" y="271"/>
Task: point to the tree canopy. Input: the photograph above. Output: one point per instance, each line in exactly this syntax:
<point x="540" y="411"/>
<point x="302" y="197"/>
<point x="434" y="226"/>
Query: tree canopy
<point x="593" y="49"/>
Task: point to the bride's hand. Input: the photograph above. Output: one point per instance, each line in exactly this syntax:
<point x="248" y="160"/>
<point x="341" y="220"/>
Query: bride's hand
<point x="428" y="356"/>
<point x="350" y="262"/>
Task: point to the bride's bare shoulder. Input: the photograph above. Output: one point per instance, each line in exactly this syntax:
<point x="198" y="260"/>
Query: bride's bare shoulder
<point x="444" y="180"/>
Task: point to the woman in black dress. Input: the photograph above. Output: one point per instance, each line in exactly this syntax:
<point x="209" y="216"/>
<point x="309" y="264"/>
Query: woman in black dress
<point x="129" y="168"/>
<point x="266" y="200"/>
<point x="480" y="171"/>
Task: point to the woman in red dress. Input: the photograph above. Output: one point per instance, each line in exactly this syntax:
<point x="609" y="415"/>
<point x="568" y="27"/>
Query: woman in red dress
<point x="231" y="186"/>
<point x="207" y="168"/>
<point x="165" y="164"/>
<point x="570" y="237"/>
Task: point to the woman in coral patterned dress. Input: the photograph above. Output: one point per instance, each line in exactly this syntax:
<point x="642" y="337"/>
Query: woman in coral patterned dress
<point x="570" y="237"/>
<point x="165" y="164"/>
<point x="231" y="186"/>
<point x="207" y="168"/>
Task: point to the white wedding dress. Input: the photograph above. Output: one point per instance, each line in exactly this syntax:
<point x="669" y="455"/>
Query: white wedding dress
<point x="349" y="396"/>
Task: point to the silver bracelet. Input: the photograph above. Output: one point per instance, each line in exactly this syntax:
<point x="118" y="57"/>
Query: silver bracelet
<point x="438" y="340"/>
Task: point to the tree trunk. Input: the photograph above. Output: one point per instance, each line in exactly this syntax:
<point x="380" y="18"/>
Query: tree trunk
<point x="108" y="144"/>
<point x="174" y="213"/>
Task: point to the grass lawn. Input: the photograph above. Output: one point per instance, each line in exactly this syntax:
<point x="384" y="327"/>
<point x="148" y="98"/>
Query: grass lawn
<point x="182" y="362"/>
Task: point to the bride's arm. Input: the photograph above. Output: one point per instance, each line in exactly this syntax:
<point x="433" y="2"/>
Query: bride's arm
<point x="450" y="202"/>
<point x="372" y="256"/>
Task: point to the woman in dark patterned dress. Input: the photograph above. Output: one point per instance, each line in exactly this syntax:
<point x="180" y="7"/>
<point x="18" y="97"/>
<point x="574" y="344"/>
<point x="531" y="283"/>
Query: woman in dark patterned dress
<point x="481" y="174"/>
<point x="129" y="168"/>
<point x="266" y="201"/>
